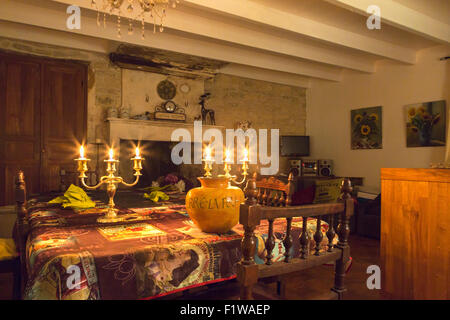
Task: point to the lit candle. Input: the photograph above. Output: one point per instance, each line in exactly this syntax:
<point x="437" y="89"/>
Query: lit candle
<point x="138" y="153"/>
<point x="245" y="163"/>
<point x="111" y="154"/>
<point x="137" y="162"/>
<point x="208" y="161"/>
<point x="82" y="163"/>
<point x="227" y="156"/>
<point x="82" y="153"/>
<point x="208" y="154"/>
<point x="245" y="155"/>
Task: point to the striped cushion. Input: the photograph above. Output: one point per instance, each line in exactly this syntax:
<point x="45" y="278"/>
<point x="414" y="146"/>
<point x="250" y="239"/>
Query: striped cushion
<point x="7" y="249"/>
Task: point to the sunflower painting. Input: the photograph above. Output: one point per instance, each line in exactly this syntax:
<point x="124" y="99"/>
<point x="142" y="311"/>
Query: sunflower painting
<point x="366" y="128"/>
<point x="425" y="124"/>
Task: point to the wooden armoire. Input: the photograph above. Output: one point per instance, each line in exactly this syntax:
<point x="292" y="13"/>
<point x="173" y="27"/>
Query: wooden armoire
<point x="43" y="115"/>
<point x="415" y="230"/>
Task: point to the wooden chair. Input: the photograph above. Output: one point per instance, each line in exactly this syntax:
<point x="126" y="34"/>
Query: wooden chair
<point x="270" y="199"/>
<point x="10" y="263"/>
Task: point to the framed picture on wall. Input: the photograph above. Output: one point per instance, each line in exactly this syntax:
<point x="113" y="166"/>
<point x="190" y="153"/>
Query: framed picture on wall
<point x="426" y="124"/>
<point x="366" y="128"/>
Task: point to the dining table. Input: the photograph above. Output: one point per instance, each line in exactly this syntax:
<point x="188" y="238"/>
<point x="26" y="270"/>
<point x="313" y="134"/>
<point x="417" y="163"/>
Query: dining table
<point x="156" y="251"/>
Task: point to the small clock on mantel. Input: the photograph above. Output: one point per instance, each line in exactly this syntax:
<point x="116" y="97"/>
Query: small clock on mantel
<point x="170" y="106"/>
<point x="170" y="111"/>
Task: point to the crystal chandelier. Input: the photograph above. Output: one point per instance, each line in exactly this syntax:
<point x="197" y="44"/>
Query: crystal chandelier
<point x="153" y="11"/>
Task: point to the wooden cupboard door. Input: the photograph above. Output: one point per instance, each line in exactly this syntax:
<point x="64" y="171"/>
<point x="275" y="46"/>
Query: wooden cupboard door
<point x="20" y="140"/>
<point x="64" y="120"/>
<point x="415" y="229"/>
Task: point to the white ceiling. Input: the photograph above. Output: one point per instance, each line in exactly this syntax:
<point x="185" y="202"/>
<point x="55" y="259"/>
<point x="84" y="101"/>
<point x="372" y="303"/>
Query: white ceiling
<point x="286" y="41"/>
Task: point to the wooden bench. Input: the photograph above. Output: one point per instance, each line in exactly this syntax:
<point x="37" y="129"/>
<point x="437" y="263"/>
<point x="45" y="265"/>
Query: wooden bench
<point x="270" y="199"/>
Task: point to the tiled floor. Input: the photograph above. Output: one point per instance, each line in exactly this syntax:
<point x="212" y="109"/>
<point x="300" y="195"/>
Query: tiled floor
<point x="306" y="284"/>
<point x="312" y="282"/>
<point x="315" y="282"/>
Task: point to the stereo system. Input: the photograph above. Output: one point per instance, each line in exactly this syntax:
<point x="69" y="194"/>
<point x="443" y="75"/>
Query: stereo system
<point x="312" y="167"/>
<point x="296" y="167"/>
<point x="325" y="168"/>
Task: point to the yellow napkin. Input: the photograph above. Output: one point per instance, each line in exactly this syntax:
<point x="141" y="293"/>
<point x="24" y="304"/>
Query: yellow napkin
<point x="74" y="197"/>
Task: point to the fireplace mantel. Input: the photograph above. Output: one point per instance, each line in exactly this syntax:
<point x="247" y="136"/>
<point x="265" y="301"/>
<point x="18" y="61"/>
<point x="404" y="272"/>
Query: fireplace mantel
<point x="147" y="130"/>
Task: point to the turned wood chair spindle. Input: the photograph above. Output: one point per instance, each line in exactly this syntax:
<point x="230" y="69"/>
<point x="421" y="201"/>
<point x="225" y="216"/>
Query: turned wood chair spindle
<point x="265" y="196"/>
<point x="259" y="195"/>
<point x="270" y="243"/>
<point x="330" y="233"/>
<point x="287" y="240"/>
<point x="276" y="199"/>
<point x="304" y="239"/>
<point x="282" y="200"/>
<point x="318" y="237"/>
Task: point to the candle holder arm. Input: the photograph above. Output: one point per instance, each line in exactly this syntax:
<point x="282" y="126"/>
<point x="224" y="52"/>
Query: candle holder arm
<point x="239" y="182"/>
<point x="102" y="181"/>
<point x="131" y="184"/>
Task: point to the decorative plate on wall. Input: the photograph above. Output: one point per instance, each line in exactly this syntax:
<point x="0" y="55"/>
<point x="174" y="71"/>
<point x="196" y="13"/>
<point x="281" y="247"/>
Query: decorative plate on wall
<point x="185" y="88"/>
<point x="166" y="90"/>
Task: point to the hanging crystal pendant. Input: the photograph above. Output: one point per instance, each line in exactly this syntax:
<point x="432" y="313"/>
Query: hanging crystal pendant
<point x="119" y="33"/>
<point x="156" y="9"/>
<point x="130" y="27"/>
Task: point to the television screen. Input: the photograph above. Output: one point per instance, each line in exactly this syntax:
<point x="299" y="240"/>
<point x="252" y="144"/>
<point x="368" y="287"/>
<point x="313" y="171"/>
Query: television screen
<point x="294" y="146"/>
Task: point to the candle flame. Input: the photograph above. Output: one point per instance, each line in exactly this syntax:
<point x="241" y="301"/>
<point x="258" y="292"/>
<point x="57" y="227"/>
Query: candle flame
<point x="81" y="152"/>
<point x="138" y="154"/>
<point x="227" y="155"/>
<point x="208" y="153"/>
<point x="245" y="154"/>
<point x="111" y="154"/>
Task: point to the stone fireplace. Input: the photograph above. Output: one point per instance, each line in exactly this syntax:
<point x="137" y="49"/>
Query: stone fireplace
<point x="154" y="139"/>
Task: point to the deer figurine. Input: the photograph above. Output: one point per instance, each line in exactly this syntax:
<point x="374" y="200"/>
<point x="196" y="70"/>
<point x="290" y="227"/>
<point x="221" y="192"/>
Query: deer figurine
<point x="207" y="112"/>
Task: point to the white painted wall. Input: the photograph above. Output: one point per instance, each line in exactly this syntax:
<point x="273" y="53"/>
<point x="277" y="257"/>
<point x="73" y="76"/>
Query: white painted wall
<point x="392" y="86"/>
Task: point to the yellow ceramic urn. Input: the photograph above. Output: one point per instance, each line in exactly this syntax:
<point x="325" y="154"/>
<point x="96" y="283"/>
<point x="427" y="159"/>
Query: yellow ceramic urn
<point x="214" y="207"/>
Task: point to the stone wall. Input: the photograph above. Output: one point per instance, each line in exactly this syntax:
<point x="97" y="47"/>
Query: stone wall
<point x="266" y="105"/>
<point x="140" y="92"/>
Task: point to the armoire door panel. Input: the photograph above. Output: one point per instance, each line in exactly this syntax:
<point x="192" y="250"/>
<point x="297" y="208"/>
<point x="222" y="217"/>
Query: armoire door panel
<point x="43" y="116"/>
<point x="20" y="123"/>
<point x="65" y="120"/>
<point x="23" y="150"/>
<point x="22" y="94"/>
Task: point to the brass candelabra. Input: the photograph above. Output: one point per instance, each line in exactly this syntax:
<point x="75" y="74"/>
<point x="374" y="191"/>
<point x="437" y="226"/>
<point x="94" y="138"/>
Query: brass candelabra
<point x="111" y="181"/>
<point x="227" y="166"/>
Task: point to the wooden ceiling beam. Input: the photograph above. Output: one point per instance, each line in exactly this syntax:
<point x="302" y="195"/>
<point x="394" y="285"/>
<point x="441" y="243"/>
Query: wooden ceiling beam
<point x="257" y="13"/>
<point x="402" y="17"/>
<point x="189" y="20"/>
<point x="52" y="15"/>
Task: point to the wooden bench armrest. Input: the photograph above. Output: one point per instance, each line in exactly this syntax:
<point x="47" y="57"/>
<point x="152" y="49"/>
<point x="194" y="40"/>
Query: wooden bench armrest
<point x="309" y="210"/>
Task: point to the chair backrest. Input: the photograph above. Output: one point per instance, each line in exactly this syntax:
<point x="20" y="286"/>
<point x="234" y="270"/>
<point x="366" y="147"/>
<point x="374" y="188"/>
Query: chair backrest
<point x="273" y="192"/>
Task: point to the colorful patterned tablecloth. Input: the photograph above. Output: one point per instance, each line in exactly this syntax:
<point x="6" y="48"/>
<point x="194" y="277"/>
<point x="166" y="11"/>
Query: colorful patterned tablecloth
<point x="155" y="252"/>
